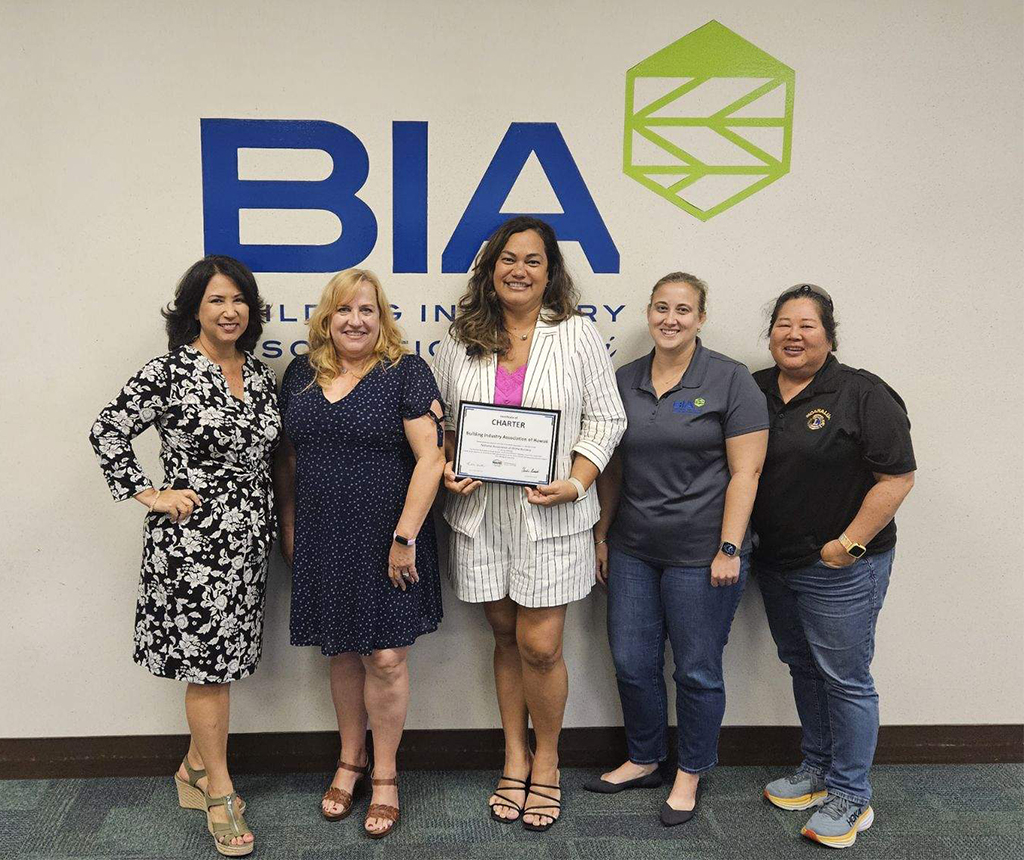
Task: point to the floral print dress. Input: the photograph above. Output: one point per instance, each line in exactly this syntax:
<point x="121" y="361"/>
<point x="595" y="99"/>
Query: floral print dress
<point x="199" y="616"/>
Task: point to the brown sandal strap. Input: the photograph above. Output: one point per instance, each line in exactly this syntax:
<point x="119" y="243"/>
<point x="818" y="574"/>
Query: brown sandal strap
<point x="344" y="765"/>
<point x="392" y="781"/>
<point x="339" y="796"/>
<point x="382" y="810"/>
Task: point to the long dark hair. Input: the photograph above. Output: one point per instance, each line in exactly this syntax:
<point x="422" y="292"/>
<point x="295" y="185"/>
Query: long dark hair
<point x="182" y="325"/>
<point x="480" y="323"/>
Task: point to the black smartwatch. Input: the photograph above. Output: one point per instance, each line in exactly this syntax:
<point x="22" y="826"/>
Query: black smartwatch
<point x="404" y="541"/>
<point x="728" y="549"/>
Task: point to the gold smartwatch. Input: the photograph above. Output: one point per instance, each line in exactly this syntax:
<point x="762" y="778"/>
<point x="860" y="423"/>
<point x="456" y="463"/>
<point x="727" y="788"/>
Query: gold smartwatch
<point x="853" y="548"/>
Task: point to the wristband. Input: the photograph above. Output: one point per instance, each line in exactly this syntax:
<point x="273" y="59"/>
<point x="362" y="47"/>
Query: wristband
<point x="156" y="498"/>
<point x="581" y="491"/>
<point x="851" y="546"/>
<point x="404" y="541"/>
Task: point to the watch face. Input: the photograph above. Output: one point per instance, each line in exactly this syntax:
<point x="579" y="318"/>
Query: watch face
<point x="729" y="548"/>
<point x="857" y="551"/>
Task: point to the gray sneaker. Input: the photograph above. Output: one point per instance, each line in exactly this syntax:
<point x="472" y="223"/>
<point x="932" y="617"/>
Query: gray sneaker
<point x="800" y="790"/>
<point x="838" y="822"/>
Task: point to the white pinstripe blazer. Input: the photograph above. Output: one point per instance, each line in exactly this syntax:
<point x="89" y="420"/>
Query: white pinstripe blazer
<point x="568" y="369"/>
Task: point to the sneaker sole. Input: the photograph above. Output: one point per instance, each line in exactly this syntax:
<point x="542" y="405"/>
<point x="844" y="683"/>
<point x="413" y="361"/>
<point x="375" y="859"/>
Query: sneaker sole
<point x="804" y="801"/>
<point x="866" y="819"/>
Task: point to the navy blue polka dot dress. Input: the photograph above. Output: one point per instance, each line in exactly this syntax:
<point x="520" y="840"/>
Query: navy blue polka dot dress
<point x="352" y="473"/>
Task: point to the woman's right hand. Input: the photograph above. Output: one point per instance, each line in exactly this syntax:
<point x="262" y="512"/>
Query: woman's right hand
<point x="601" y="551"/>
<point x="465" y="487"/>
<point x="177" y="504"/>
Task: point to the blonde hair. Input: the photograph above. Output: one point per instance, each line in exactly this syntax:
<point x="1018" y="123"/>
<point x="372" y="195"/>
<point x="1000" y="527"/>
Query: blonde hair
<point x="323" y="357"/>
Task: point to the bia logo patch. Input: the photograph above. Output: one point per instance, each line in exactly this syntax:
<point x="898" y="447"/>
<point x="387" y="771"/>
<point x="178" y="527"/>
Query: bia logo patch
<point x="688" y="407"/>
<point x="817" y="418"/>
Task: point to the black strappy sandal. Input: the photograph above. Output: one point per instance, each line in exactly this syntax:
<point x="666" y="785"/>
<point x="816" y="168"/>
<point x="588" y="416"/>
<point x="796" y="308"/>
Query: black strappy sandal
<point x="555" y="804"/>
<point x="507" y="802"/>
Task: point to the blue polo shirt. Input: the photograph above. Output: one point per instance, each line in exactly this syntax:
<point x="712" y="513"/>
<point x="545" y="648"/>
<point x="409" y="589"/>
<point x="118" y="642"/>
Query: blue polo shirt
<point x="674" y="467"/>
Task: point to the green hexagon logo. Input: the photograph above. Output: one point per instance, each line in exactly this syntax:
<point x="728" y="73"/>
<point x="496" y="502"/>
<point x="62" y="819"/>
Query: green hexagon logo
<point x="709" y="121"/>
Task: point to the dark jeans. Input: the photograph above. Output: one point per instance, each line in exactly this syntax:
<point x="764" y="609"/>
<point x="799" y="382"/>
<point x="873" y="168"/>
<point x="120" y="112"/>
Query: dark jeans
<point x="823" y="622"/>
<point x="645" y="602"/>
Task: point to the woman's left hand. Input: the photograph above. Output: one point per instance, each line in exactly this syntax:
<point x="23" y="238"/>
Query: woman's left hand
<point x="555" y="493"/>
<point x="725" y="570"/>
<point x="834" y="555"/>
<point x="402" y="565"/>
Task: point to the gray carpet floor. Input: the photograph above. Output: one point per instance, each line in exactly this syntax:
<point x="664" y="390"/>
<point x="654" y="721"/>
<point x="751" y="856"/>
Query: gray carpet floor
<point x="921" y="812"/>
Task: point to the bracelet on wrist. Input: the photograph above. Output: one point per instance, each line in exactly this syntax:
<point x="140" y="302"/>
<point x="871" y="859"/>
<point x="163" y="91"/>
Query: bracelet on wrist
<point x="156" y="498"/>
<point x="598" y="542"/>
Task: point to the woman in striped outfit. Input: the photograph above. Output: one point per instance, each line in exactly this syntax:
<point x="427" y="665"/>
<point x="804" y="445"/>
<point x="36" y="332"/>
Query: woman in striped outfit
<point x="526" y="553"/>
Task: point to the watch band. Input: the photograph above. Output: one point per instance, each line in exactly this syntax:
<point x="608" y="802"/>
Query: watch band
<point x="581" y="491"/>
<point x="852" y="547"/>
<point x="404" y="541"/>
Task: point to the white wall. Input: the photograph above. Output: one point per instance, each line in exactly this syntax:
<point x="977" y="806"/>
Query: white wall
<point x="905" y="199"/>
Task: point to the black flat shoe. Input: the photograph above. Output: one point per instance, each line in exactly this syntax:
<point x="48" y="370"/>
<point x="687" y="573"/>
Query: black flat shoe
<point x="671" y="817"/>
<point x="602" y="786"/>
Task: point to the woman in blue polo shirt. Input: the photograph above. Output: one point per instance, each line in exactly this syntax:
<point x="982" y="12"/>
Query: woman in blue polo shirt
<point x="673" y="542"/>
<point x="839" y="464"/>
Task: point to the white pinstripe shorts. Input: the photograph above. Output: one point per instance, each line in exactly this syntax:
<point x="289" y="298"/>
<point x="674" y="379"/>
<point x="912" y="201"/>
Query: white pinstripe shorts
<point x="502" y="560"/>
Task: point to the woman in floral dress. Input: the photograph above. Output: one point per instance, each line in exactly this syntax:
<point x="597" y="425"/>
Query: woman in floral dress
<point x="208" y="532"/>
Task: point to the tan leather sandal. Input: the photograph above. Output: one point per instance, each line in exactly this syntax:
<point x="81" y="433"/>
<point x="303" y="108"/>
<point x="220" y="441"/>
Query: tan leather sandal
<point x="224" y="831"/>
<point x="190" y="795"/>
<point x="382" y="810"/>
<point x="340" y="796"/>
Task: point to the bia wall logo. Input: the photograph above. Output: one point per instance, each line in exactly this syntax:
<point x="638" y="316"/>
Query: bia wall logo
<point x="709" y="121"/>
<point x="225" y="195"/>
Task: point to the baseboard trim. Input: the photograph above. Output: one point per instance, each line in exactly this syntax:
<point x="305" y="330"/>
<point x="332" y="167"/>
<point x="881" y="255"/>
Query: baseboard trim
<point x="463" y="749"/>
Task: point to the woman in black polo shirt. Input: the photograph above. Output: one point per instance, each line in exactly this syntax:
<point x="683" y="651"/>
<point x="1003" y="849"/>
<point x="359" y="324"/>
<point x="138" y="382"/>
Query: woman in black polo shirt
<point x="839" y="464"/>
<point x="675" y="502"/>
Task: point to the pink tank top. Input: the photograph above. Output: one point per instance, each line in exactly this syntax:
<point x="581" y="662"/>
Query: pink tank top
<point x="508" y="387"/>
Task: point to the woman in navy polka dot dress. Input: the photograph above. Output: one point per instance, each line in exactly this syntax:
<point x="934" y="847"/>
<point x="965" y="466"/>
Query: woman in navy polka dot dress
<point x="357" y="472"/>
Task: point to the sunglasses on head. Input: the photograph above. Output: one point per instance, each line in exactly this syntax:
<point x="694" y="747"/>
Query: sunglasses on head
<point x="804" y="289"/>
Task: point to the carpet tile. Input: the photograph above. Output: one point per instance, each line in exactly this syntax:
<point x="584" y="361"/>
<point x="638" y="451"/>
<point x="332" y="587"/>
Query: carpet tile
<point x="930" y="812"/>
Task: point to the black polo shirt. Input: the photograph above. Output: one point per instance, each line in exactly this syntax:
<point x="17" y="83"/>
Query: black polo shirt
<point x="823" y="448"/>
<point x="674" y="466"/>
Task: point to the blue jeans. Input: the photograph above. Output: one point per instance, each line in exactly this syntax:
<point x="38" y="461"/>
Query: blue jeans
<point x="645" y="602"/>
<point x="823" y="622"/>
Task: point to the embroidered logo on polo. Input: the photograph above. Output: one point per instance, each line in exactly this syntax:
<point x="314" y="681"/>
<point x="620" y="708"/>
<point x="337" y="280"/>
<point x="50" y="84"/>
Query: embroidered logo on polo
<point x="817" y="418"/>
<point x="688" y="407"/>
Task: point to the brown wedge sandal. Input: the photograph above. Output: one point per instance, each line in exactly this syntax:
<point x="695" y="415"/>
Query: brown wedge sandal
<point x="340" y="796"/>
<point x="382" y="810"/>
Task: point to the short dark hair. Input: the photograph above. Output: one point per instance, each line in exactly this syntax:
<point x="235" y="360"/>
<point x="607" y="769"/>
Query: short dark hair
<point x="826" y="308"/>
<point x="480" y="323"/>
<point x="182" y="325"/>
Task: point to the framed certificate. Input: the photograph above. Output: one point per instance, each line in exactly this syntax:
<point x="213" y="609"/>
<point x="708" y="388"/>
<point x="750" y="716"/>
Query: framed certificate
<point x="506" y="444"/>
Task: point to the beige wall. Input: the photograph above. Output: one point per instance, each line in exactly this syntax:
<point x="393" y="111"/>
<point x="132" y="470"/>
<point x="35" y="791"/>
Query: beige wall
<point x="904" y="199"/>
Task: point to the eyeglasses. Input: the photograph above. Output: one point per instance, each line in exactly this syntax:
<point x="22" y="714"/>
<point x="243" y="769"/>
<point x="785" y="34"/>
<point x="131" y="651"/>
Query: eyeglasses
<point x="803" y="290"/>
